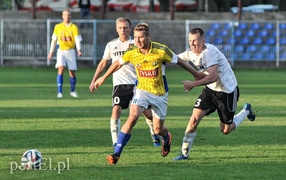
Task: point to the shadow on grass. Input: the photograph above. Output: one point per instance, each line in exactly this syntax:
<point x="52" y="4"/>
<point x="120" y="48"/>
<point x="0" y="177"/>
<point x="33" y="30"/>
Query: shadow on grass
<point x="100" y="137"/>
<point x="54" y="112"/>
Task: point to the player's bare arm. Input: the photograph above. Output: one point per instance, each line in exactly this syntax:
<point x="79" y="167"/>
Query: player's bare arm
<point x="114" y="67"/>
<point x="194" y="71"/>
<point x="50" y="56"/>
<point x="100" y="67"/>
<point x="212" y="74"/>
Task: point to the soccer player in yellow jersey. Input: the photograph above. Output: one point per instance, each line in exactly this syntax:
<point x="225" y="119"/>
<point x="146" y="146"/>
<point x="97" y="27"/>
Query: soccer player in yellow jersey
<point x="124" y="79"/>
<point x="66" y="34"/>
<point x="149" y="59"/>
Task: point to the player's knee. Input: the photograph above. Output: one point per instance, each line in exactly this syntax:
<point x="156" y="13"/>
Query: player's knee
<point x="134" y="115"/>
<point x="157" y="131"/>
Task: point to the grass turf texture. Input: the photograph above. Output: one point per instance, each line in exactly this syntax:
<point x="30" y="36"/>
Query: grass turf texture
<point x="73" y="134"/>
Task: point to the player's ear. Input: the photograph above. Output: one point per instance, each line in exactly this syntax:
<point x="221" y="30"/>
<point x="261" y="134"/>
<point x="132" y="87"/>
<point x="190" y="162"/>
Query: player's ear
<point x="204" y="41"/>
<point x="149" y="37"/>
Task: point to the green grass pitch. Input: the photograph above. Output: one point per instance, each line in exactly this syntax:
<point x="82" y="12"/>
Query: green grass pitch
<point x="74" y="138"/>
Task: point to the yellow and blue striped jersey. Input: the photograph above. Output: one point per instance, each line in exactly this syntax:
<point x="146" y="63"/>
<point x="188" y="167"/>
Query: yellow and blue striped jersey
<point x="66" y="35"/>
<point x="150" y="68"/>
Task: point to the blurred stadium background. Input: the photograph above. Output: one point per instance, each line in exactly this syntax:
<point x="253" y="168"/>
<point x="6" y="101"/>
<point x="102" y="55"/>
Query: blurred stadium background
<point x="253" y="37"/>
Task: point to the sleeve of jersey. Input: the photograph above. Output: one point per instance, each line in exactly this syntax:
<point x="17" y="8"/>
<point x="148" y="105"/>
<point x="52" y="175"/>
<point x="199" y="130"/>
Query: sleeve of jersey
<point x="170" y="56"/>
<point x="107" y="53"/>
<point x="55" y="36"/>
<point x="75" y="31"/>
<point x="78" y="40"/>
<point x="211" y="57"/>
<point x="174" y="59"/>
<point x="125" y="58"/>
<point x="184" y="56"/>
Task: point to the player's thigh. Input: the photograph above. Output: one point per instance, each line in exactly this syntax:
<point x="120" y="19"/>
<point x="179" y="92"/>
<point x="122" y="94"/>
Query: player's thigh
<point x="148" y="113"/>
<point x="61" y="59"/>
<point x="205" y="101"/>
<point x="71" y="59"/>
<point x="122" y="95"/>
<point x="159" y="105"/>
<point x="142" y="99"/>
<point x="226" y="105"/>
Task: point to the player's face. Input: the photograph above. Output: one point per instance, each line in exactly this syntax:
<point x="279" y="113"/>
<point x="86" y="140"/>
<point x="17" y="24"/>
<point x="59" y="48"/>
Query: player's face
<point x="196" y="43"/>
<point x="123" y="29"/>
<point x="141" y="40"/>
<point x="66" y="16"/>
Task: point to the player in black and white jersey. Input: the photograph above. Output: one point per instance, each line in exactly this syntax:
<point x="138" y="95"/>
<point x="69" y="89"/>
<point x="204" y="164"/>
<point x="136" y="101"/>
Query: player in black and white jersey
<point x="124" y="79"/>
<point x="220" y="93"/>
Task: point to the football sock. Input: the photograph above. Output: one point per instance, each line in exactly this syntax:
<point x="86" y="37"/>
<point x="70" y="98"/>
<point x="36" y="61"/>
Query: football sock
<point x="60" y="80"/>
<point x="72" y="83"/>
<point x="150" y="124"/>
<point x="188" y="142"/>
<point x="239" y="117"/>
<point x="166" y="138"/>
<point x="123" y="138"/>
<point x="114" y="129"/>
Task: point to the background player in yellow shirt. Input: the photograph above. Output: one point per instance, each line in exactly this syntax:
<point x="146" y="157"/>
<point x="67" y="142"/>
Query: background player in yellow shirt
<point x="66" y="34"/>
<point x="149" y="59"/>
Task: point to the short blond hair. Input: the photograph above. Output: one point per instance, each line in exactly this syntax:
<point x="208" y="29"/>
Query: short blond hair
<point x="123" y="19"/>
<point x="66" y="10"/>
<point x="142" y="27"/>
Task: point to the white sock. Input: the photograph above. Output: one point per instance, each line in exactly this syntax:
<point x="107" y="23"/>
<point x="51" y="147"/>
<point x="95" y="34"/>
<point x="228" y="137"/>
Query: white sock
<point x="114" y="129"/>
<point x="188" y="142"/>
<point x="239" y="117"/>
<point x="150" y="124"/>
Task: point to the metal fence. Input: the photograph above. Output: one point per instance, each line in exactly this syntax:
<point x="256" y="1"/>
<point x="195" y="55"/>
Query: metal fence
<point x="239" y="41"/>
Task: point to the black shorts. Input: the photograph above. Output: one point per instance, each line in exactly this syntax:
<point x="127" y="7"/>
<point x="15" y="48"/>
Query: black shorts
<point x="224" y="103"/>
<point x="122" y="95"/>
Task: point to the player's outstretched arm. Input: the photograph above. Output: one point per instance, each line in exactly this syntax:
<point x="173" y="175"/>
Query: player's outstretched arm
<point x="101" y="66"/>
<point x="211" y="76"/>
<point x="114" y="67"/>
<point x="192" y="69"/>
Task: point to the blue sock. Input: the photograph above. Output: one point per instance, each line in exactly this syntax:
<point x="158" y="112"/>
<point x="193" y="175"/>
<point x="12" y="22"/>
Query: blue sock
<point x="166" y="138"/>
<point x="72" y="83"/>
<point x="121" y="142"/>
<point x="60" y="81"/>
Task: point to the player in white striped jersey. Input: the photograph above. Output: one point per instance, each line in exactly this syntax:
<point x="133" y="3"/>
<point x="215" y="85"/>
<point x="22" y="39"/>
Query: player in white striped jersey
<point x="124" y="79"/>
<point x="220" y="93"/>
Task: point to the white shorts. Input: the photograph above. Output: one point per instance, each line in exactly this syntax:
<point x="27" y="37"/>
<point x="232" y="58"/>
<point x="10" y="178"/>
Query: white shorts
<point x="158" y="104"/>
<point x="66" y="58"/>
